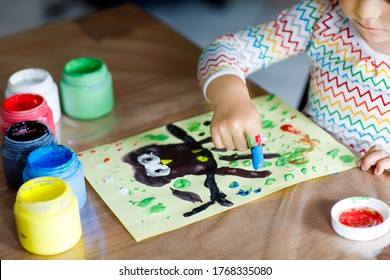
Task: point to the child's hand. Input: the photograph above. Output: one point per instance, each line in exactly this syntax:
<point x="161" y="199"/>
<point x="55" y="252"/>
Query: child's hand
<point x="230" y="123"/>
<point x="377" y="157"/>
<point x="234" y="113"/>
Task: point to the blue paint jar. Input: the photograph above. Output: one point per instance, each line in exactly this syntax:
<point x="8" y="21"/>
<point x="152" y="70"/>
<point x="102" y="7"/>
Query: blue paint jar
<point x="19" y="140"/>
<point x="57" y="161"/>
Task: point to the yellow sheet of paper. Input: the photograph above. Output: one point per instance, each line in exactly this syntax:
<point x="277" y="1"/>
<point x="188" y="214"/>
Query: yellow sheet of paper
<point x="122" y="173"/>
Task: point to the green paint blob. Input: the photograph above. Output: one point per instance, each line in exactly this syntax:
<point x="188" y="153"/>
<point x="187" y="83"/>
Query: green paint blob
<point x="250" y="142"/>
<point x="267" y="163"/>
<point x="151" y="137"/>
<point x="283" y="160"/>
<point x="271" y="97"/>
<point x="247" y="163"/>
<point x="333" y="153"/>
<point x="157" y="208"/>
<point x="233" y="163"/>
<point x="181" y="184"/>
<point x="270" y="181"/>
<point x="295" y="158"/>
<point x="347" y="158"/>
<point x="267" y="124"/>
<point x="146" y="202"/>
<point x="194" y="126"/>
<point x="314" y="169"/>
<point x="304" y="170"/>
<point x="285" y="113"/>
<point x="288" y="177"/>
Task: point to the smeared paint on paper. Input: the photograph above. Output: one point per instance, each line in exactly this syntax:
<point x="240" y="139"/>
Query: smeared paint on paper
<point x="173" y="176"/>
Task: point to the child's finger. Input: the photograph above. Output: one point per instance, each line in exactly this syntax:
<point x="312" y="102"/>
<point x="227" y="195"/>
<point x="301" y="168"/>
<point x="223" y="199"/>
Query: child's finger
<point x="370" y="151"/>
<point x="255" y="133"/>
<point x="215" y="136"/>
<point x="371" y="158"/>
<point x="382" y="165"/>
<point x="227" y="140"/>
<point x="240" y="141"/>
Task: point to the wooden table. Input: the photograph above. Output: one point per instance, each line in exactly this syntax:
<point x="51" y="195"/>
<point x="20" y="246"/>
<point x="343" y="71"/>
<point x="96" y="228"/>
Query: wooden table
<point x="154" y="73"/>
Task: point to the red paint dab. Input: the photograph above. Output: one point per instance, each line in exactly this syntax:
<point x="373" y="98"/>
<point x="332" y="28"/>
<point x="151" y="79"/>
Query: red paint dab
<point x="291" y="129"/>
<point x="258" y="139"/>
<point x="106" y="159"/>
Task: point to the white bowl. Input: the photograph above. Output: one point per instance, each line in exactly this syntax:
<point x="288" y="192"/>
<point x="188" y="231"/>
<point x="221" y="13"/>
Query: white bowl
<point x="360" y="233"/>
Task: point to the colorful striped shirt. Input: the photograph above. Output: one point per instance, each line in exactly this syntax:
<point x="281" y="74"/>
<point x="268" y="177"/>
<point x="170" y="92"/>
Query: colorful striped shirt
<point x="349" y="93"/>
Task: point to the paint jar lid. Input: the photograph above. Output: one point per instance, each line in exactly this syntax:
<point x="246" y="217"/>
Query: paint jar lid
<point x="360" y="218"/>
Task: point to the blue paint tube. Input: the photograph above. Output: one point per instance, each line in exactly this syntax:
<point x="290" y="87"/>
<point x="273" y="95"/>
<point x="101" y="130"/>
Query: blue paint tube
<point x="61" y="162"/>
<point x="19" y="140"/>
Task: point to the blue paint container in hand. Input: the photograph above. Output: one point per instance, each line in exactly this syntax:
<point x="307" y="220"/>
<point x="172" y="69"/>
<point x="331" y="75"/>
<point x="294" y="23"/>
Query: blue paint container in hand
<point x="57" y="161"/>
<point x="19" y="140"/>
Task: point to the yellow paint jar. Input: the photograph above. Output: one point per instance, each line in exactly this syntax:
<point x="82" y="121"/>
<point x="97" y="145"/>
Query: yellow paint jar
<point x="47" y="216"/>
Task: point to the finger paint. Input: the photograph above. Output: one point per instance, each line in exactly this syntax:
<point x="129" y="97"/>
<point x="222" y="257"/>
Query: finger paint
<point x="361" y="217"/>
<point x="86" y="88"/>
<point x="60" y="162"/>
<point x="26" y="107"/>
<point x="291" y="129"/>
<point x="19" y="141"/>
<point x="47" y="216"/>
<point x="257" y="157"/>
<point x="256" y="151"/>
<point x="38" y="81"/>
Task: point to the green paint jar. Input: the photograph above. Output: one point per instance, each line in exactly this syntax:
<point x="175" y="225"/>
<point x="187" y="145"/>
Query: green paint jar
<point x="86" y="88"/>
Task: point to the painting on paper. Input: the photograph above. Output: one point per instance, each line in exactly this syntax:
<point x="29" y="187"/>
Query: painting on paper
<point x="173" y="176"/>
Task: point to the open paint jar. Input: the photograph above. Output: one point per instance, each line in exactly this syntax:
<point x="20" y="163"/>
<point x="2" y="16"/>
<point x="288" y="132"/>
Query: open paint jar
<point x="57" y="161"/>
<point x="38" y="81"/>
<point x="25" y="107"/>
<point x="47" y="216"/>
<point x="19" y="141"/>
<point x="360" y="218"/>
<point x="86" y="88"/>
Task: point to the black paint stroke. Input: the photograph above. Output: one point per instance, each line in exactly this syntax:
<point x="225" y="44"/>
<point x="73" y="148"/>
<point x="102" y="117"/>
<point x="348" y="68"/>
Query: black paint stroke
<point x="235" y="157"/>
<point x="186" y="195"/>
<point x="184" y="161"/>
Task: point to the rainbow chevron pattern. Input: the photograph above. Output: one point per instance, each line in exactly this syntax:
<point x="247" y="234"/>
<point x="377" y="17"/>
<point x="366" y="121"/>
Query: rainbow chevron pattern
<point x="349" y="92"/>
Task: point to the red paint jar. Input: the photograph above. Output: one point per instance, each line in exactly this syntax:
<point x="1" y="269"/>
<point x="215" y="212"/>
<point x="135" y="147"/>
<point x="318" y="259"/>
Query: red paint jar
<point x="25" y="107"/>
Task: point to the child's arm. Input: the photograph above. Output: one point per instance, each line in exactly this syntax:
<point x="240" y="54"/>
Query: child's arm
<point x="377" y="157"/>
<point x="234" y="113"/>
<point x="227" y="61"/>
